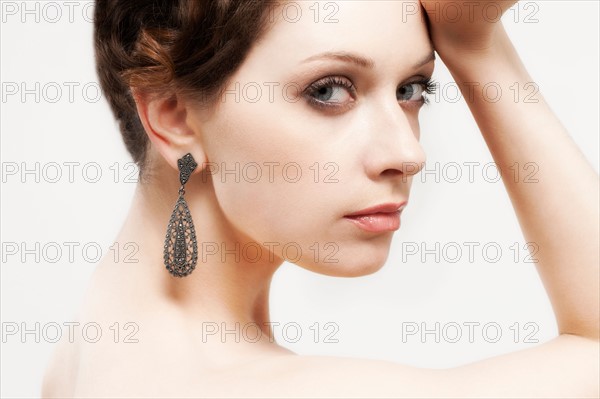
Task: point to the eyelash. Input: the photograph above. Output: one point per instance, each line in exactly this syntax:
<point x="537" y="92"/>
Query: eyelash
<point x="428" y="85"/>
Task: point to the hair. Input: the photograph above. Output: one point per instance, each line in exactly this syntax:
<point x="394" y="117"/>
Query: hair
<point x="166" y="47"/>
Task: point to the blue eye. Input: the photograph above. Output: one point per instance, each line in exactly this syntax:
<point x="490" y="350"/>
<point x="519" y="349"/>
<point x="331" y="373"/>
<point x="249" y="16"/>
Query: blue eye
<point x="330" y="92"/>
<point x="415" y="91"/>
<point x="410" y="92"/>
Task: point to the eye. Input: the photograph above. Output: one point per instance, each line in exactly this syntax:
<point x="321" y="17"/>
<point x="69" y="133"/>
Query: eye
<point x="415" y="91"/>
<point x="410" y="92"/>
<point x="330" y="92"/>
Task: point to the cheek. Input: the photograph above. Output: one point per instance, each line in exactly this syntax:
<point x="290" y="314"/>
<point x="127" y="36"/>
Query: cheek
<point x="273" y="181"/>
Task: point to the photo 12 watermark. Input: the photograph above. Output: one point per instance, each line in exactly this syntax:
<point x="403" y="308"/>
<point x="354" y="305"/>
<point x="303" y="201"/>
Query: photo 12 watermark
<point x="289" y="332"/>
<point x="52" y="332"/>
<point x="469" y="332"/>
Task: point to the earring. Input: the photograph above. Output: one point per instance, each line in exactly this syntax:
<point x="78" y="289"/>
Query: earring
<point x="181" y="247"/>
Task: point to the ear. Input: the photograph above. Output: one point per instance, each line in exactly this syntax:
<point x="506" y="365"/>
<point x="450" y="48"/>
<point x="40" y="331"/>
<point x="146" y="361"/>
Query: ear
<point x="168" y="127"/>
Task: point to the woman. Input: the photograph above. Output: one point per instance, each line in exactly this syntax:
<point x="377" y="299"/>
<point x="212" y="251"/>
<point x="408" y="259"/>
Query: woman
<point x="231" y="105"/>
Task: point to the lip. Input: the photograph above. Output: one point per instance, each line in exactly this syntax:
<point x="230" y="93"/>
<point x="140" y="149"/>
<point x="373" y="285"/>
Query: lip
<point x="378" y="218"/>
<point x="388" y="207"/>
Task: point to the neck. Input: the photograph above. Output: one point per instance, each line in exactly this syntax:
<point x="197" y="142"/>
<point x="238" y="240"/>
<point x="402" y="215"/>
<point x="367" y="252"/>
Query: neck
<point x="229" y="285"/>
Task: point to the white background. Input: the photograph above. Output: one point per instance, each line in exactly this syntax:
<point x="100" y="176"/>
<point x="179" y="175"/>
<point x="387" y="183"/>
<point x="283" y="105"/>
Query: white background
<point x="561" y="52"/>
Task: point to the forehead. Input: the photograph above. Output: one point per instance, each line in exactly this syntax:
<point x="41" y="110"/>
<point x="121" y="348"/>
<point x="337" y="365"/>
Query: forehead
<point x="391" y="32"/>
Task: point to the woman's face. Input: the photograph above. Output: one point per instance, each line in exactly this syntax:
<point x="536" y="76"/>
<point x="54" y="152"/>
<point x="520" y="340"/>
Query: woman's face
<point x="301" y="139"/>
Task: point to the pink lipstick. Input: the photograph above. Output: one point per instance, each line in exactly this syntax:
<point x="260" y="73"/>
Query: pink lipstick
<point x="379" y="218"/>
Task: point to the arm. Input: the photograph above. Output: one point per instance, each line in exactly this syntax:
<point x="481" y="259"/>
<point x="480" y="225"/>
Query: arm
<point x="559" y="213"/>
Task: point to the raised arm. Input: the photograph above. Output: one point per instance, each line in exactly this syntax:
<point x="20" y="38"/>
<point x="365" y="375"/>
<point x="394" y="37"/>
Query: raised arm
<point x="559" y="212"/>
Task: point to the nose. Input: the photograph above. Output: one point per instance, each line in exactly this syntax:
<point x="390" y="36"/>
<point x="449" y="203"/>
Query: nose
<point x="393" y="149"/>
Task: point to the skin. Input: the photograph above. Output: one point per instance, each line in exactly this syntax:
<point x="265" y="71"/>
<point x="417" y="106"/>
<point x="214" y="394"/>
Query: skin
<point x="375" y="145"/>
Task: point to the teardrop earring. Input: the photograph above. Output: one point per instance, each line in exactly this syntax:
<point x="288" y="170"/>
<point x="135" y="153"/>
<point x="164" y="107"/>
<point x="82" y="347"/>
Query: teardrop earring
<point x="181" y="247"/>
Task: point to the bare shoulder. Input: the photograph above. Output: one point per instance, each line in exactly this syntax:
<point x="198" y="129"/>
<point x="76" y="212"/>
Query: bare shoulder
<point x="567" y="366"/>
<point x="564" y="367"/>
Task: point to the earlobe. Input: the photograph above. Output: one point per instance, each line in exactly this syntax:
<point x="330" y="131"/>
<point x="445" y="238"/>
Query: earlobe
<point x="166" y="124"/>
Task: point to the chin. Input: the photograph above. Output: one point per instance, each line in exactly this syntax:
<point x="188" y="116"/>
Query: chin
<point x="356" y="262"/>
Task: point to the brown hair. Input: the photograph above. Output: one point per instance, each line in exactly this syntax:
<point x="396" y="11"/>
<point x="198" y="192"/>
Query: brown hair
<point x="163" y="47"/>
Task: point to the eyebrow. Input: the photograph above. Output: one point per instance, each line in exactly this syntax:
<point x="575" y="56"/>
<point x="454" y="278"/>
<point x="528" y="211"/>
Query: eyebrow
<point x="359" y="60"/>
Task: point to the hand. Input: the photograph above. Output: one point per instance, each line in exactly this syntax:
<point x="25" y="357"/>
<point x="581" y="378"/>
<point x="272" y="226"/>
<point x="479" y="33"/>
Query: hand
<point x="464" y="26"/>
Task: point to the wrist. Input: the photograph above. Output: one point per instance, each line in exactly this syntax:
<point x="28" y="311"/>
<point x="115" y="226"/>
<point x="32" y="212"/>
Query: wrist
<point x="490" y="58"/>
